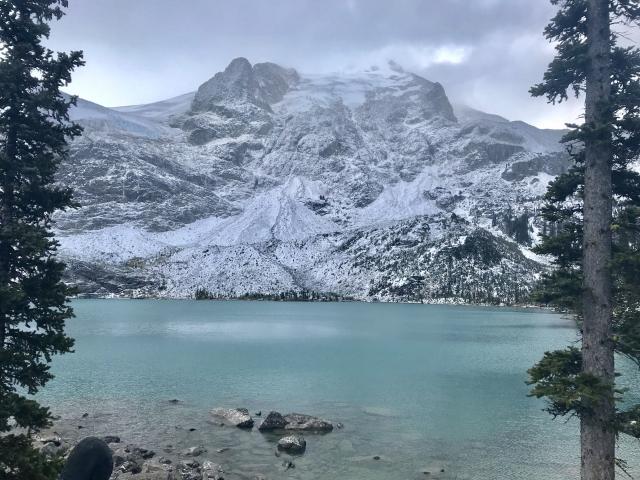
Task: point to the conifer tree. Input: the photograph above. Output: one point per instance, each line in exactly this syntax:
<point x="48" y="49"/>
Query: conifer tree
<point x="595" y="210"/>
<point x="34" y="129"/>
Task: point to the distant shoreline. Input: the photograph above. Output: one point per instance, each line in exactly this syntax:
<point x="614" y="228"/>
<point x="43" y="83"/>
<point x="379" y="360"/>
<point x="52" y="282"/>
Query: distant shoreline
<point x="443" y="302"/>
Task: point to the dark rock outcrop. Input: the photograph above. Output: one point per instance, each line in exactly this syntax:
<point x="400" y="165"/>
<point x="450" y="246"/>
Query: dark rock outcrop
<point x="261" y="85"/>
<point x="298" y="421"/>
<point x="294" y="421"/>
<point x="273" y="421"/>
<point x="91" y="459"/>
<point x="549" y="164"/>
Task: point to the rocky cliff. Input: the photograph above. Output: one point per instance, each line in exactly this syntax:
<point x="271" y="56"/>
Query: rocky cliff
<point x="370" y="185"/>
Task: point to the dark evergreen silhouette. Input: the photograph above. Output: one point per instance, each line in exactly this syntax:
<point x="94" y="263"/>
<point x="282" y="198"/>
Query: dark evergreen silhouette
<point x="594" y="211"/>
<point x="34" y="128"/>
<point x="287" y="296"/>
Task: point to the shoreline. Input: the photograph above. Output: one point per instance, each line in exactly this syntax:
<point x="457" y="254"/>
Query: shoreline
<point x="186" y="455"/>
<point x="443" y="302"/>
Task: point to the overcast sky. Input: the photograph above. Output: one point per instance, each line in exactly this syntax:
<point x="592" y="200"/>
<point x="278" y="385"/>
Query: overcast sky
<point x="486" y="53"/>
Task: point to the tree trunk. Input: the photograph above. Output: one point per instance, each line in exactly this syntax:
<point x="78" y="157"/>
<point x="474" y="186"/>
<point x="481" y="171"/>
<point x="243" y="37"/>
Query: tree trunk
<point x="596" y="430"/>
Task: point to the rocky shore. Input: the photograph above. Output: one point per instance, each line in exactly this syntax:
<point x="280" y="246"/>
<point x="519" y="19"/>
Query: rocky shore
<point x="290" y="433"/>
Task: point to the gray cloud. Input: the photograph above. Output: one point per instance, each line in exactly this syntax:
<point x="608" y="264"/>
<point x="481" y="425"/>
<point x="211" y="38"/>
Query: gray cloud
<point x="486" y="53"/>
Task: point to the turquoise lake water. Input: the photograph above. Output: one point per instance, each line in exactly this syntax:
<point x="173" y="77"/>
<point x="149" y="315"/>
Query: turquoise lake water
<point x="424" y="387"/>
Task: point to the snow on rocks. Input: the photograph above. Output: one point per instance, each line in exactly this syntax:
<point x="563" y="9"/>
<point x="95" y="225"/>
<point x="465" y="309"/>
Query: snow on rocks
<point x="238" y="417"/>
<point x="293" y="444"/>
<point x="265" y="181"/>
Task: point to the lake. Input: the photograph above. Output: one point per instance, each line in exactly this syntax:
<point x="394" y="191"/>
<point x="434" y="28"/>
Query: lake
<point x="423" y="387"/>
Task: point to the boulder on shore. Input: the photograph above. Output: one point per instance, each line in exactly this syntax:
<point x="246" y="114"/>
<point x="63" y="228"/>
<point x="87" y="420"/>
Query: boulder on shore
<point x="294" y="444"/>
<point x="238" y="417"/>
<point x="91" y="458"/>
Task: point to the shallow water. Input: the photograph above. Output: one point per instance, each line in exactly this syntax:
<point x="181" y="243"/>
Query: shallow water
<point x="424" y="387"/>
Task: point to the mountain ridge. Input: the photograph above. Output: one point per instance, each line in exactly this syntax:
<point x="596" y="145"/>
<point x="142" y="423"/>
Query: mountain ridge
<point x="370" y="185"/>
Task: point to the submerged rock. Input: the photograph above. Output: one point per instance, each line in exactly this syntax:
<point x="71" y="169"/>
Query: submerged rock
<point x="298" y="421"/>
<point x="193" y="451"/>
<point x="238" y="417"/>
<point x="292" y="444"/>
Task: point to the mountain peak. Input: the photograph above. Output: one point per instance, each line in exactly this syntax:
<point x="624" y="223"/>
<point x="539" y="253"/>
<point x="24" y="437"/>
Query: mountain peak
<point x="262" y="85"/>
<point x="239" y="68"/>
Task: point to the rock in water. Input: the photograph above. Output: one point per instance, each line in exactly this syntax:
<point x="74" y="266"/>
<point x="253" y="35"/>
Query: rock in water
<point x="298" y="421"/>
<point x="273" y="421"/>
<point x="194" y="451"/>
<point x="288" y="465"/>
<point x="238" y="417"/>
<point x="292" y="444"/>
<point x="91" y="459"/>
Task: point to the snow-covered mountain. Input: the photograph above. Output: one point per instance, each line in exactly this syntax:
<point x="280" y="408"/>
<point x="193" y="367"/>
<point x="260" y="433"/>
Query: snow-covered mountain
<point x="370" y="185"/>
